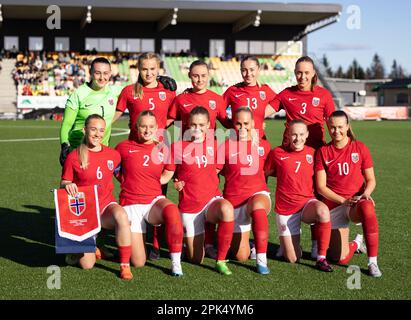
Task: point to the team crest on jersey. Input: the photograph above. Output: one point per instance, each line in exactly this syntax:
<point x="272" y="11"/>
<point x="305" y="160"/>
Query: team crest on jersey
<point x="110" y="165"/>
<point x="111" y="101"/>
<point x="262" y="95"/>
<point x="161" y="156"/>
<point x="309" y="158"/>
<point x="77" y="204"/>
<point x="355" y="157"/>
<point x="261" y="151"/>
<point x="162" y="95"/>
<point x="212" y="104"/>
<point x="316" y="102"/>
<point x="210" y="151"/>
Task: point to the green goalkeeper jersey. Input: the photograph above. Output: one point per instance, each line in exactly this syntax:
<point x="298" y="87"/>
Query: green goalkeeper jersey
<point x="84" y="102"/>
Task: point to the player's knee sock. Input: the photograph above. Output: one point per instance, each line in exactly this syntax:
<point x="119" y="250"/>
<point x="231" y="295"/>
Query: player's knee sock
<point x="174" y="228"/>
<point x="156" y="237"/>
<point x="313" y="231"/>
<point x="124" y="253"/>
<point x="370" y="226"/>
<point x="260" y="230"/>
<point x="225" y="231"/>
<point x="353" y="245"/>
<point x="209" y="233"/>
<point x="323" y="235"/>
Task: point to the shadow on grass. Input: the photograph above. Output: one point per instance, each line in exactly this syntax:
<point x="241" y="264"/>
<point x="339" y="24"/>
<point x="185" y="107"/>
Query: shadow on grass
<point x="27" y="237"/>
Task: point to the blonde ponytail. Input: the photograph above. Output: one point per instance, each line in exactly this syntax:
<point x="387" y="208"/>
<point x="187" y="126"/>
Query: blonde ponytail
<point x="138" y="87"/>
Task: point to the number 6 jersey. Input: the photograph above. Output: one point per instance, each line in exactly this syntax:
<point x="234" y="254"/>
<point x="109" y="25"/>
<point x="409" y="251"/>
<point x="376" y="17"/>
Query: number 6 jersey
<point x="99" y="172"/>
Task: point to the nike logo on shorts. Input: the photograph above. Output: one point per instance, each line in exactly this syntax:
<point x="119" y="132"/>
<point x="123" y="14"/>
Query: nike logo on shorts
<point x="283" y="158"/>
<point x="239" y="95"/>
<point x="328" y="162"/>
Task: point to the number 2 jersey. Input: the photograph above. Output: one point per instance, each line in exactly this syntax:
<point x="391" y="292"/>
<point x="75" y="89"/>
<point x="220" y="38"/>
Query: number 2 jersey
<point x="195" y="164"/>
<point x="344" y="167"/>
<point x="99" y="172"/>
<point x="294" y="171"/>
<point x="141" y="169"/>
<point x="242" y="164"/>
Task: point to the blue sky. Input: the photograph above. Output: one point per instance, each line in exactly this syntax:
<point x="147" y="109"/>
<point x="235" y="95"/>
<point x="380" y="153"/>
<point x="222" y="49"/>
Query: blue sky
<point x="383" y="30"/>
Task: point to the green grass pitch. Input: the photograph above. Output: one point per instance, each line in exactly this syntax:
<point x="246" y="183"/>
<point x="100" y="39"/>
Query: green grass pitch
<point x="29" y="169"/>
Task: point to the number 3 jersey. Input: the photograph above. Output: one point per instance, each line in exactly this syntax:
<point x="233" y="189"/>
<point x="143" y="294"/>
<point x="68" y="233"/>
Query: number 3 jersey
<point x="294" y="171"/>
<point x="195" y="164"/>
<point x="313" y="107"/>
<point x="242" y="164"/>
<point x="99" y="172"/>
<point x="141" y="169"/>
<point x="344" y="167"/>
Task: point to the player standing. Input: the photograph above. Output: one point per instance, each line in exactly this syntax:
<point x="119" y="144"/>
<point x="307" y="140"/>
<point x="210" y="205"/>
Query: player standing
<point x="94" y="97"/>
<point x="250" y="93"/>
<point x="199" y="95"/>
<point x="141" y="176"/>
<point x="241" y="161"/>
<point x="146" y="94"/>
<point x="293" y="165"/>
<point x="345" y="179"/>
<point x="195" y="164"/>
<point x="93" y="163"/>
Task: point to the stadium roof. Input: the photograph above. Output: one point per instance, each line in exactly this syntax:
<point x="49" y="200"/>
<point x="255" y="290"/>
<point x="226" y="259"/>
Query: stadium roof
<point x="188" y="11"/>
<point x="396" y="84"/>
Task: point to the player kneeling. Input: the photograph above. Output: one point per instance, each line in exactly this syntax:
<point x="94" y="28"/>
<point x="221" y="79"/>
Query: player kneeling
<point x="345" y="178"/>
<point x="241" y="161"/>
<point x="195" y="163"/>
<point x="293" y="165"/>
<point x="141" y="176"/>
<point x="89" y="165"/>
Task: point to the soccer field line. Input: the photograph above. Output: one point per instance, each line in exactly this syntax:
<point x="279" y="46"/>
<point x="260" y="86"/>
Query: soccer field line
<point x="122" y="132"/>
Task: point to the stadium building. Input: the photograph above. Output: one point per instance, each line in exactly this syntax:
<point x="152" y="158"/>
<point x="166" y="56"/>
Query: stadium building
<point x="180" y="31"/>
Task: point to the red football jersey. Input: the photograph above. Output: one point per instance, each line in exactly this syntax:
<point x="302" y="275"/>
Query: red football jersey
<point x="242" y="164"/>
<point x="158" y="100"/>
<point x="344" y="167"/>
<point x="294" y="171"/>
<point x="314" y="107"/>
<point x="99" y="172"/>
<point x="188" y="100"/>
<point x="255" y="97"/>
<point x="196" y="165"/>
<point x="141" y="168"/>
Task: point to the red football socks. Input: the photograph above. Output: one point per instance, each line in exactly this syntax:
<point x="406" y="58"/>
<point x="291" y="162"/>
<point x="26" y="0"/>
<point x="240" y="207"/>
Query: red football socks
<point x="322" y="233"/>
<point x="370" y="226"/>
<point x="174" y="228"/>
<point x="260" y="230"/>
<point x="124" y="253"/>
<point x="209" y="233"/>
<point x="352" y="246"/>
<point x="224" y="236"/>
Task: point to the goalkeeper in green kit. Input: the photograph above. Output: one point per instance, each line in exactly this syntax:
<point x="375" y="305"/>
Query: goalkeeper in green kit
<point x="94" y="97"/>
